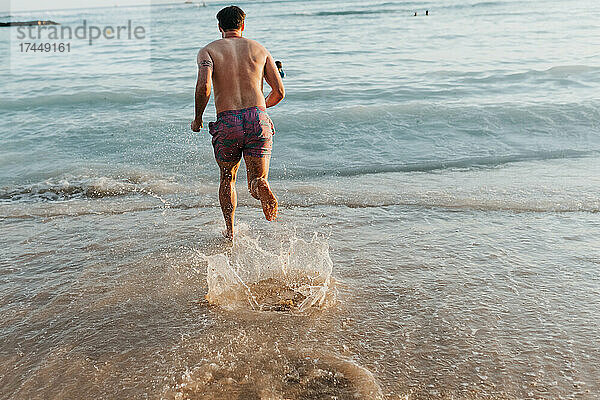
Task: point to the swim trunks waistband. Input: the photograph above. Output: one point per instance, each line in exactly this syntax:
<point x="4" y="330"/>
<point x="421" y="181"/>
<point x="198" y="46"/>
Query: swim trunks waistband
<point x="229" y="112"/>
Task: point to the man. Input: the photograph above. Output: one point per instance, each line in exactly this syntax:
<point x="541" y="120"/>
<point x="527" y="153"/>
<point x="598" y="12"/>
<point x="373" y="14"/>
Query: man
<point x="236" y="66"/>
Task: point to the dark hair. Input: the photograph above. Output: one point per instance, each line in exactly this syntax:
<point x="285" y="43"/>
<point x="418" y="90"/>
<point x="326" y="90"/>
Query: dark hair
<point x="231" y="18"/>
<point x="278" y="64"/>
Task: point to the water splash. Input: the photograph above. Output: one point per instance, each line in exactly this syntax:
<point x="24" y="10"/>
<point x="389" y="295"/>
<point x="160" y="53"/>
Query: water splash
<point x="295" y="277"/>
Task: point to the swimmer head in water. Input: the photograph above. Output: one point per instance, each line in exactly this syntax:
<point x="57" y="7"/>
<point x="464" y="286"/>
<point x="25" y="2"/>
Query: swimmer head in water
<point x="280" y="68"/>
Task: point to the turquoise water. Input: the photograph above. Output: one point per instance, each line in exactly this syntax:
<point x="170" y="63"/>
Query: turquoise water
<point x="451" y="162"/>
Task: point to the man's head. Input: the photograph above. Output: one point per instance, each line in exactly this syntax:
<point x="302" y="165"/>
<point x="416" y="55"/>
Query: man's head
<point x="231" y="19"/>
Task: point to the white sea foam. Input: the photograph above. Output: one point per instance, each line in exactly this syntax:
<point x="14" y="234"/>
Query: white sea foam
<point x="294" y="277"/>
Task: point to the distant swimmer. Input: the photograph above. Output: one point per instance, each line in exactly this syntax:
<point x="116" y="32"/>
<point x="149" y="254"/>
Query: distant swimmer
<point x="415" y="14"/>
<point x="426" y="12"/>
<point x="236" y="66"/>
<point x="280" y="68"/>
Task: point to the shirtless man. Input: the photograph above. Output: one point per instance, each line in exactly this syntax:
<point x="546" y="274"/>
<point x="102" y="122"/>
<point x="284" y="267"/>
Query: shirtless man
<point x="236" y="66"/>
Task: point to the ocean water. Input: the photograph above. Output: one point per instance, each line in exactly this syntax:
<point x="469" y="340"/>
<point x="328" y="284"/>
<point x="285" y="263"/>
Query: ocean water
<point x="438" y="179"/>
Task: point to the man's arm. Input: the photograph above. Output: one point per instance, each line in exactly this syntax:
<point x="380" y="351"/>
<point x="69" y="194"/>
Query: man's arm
<point x="203" y="86"/>
<point x="274" y="80"/>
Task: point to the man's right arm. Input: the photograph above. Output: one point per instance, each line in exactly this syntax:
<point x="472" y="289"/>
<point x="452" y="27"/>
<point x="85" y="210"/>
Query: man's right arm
<point x="274" y="80"/>
<point x="203" y="87"/>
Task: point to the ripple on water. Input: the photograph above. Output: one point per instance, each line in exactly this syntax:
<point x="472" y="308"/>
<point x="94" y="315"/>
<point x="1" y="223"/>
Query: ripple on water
<point x="286" y="374"/>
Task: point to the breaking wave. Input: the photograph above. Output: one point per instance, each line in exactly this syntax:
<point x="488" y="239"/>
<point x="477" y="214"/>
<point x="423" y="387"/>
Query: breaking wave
<point x="467" y="163"/>
<point x="78" y="187"/>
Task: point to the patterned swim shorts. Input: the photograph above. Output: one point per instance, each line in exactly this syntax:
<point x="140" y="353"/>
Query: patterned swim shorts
<point x="249" y="131"/>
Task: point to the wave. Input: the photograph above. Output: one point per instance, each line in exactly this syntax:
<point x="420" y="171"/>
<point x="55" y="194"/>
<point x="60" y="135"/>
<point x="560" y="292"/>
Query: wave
<point x="464" y="204"/>
<point x="465" y="163"/>
<point x="292" y="201"/>
<point x="480" y="4"/>
<point x="486" y="191"/>
<point x="345" y="12"/>
<point x="427" y="137"/>
<point x="69" y="187"/>
<point x="451" y="84"/>
<point x="482" y="87"/>
<point x="88" y="187"/>
<point x="70" y="209"/>
<point x="563" y="74"/>
<point x="84" y="98"/>
<point x="571" y="69"/>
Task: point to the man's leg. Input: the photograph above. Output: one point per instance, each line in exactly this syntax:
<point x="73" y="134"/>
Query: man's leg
<point x="257" y="169"/>
<point x="227" y="194"/>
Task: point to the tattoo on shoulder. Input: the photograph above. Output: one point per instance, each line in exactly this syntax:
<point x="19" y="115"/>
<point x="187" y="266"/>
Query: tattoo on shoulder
<point x="205" y="63"/>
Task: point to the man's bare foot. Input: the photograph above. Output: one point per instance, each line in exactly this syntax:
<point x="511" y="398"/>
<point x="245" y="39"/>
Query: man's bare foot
<point x="267" y="198"/>
<point x="227" y="234"/>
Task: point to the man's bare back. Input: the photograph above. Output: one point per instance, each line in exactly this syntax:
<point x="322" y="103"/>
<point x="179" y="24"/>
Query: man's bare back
<point x="236" y="66"/>
<point x="239" y="66"/>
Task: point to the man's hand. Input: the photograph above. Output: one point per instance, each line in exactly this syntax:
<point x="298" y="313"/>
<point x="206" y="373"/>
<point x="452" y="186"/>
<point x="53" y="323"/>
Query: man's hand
<point x="197" y="125"/>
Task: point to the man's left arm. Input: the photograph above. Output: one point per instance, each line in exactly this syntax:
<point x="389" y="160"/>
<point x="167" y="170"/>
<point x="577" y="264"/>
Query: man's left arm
<point x="203" y="87"/>
<point x="273" y="78"/>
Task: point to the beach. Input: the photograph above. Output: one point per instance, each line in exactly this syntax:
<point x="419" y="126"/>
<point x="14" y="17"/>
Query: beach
<point x="438" y="180"/>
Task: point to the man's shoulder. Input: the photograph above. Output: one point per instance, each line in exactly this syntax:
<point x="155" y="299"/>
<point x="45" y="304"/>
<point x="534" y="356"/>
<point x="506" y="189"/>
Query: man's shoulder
<point x="257" y="46"/>
<point x="212" y="45"/>
<point x="216" y="47"/>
